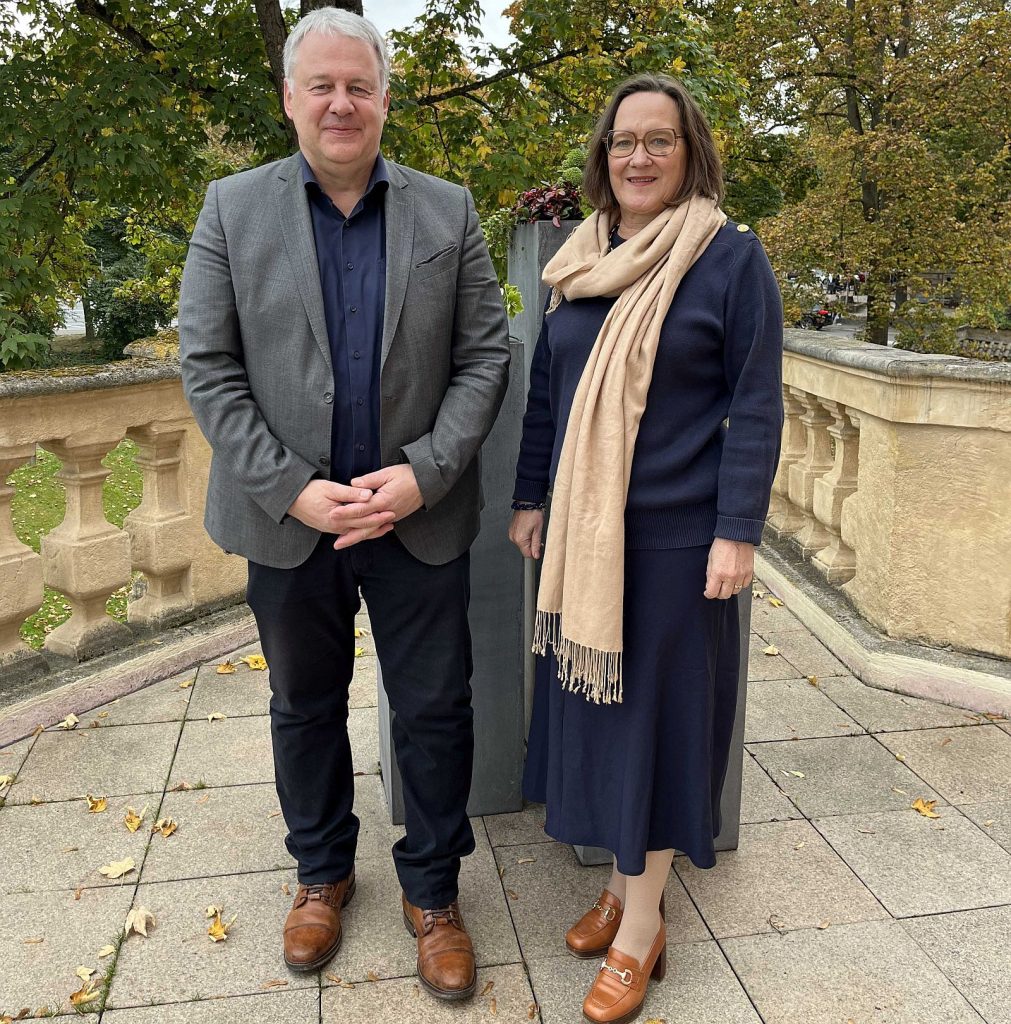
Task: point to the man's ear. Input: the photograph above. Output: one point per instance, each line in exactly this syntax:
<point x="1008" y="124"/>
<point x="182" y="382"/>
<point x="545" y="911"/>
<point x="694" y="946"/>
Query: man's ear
<point x="287" y="99"/>
<point x="386" y="102"/>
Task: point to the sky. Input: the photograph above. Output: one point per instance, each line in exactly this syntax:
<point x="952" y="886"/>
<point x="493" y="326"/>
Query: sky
<point x="387" y="14"/>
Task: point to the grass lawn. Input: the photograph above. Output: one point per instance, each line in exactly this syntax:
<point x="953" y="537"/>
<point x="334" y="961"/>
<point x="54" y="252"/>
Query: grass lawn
<point x="38" y="507"/>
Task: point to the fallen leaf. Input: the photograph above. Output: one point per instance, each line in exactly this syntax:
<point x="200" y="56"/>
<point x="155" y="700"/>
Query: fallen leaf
<point x="772" y="650"/>
<point x="118" y="868"/>
<point x="526" y="860"/>
<point x="800" y="845"/>
<point x="7" y="780"/>
<point x="813" y="680"/>
<point x="866" y="831"/>
<point x="945" y="741"/>
<point x="333" y="978"/>
<point x="346" y="984"/>
<point x="179" y="787"/>
<point x="33" y="942"/>
<point x="96" y="804"/>
<point x="213" y="911"/>
<point x="88" y="993"/>
<point x="757" y="592"/>
<point x="988" y="823"/>
<point x="84" y="973"/>
<point x="103" y="714"/>
<point x="186" y="684"/>
<point x="273" y="814"/>
<point x="286" y="889"/>
<point x="218" y="930"/>
<point x="257" y="662"/>
<point x="226" y="668"/>
<point x="202" y="800"/>
<point x="215" y="716"/>
<point x="901" y="792"/>
<point x="487" y="988"/>
<point x="532" y="1012"/>
<point x="994" y="716"/>
<point x="359" y="651"/>
<point x="274" y="983"/>
<point x="512" y="895"/>
<point x="106" y="951"/>
<point x="69" y="722"/>
<point x="900" y="757"/>
<point x="133" y="819"/>
<point x="775" y="602"/>
<point x="502" y="871"/>
<point x="371" y="976"/>
<point x="166" y="826"/>
<point x="359" y="632"/>
<point x="77" y="894"/>
<point x="822" y="925"/>
<point x="777" y="922"/>
<point x="39" y="728"/>
<point x="493" y="1007"/>
<point x="790" y="771"/>
<point x="925" y="807"/>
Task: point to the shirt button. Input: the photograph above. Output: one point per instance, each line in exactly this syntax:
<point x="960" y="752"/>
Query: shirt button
<point x="361" y="447"/>
<point x="361" y="401"/>
<point x="351" y="266"/>
<point x="324" y="461"/>
<point x="328" y="397"/>
<point x="354" y="309"/>
<point x="358" y="355"/>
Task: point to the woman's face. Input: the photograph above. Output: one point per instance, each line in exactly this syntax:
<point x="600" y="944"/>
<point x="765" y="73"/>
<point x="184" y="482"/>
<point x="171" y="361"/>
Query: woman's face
<point x="643" y="182"/>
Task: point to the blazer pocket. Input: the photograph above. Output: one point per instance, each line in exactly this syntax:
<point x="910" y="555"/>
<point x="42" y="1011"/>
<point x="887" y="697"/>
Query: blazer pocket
<point x="446" y="251"/>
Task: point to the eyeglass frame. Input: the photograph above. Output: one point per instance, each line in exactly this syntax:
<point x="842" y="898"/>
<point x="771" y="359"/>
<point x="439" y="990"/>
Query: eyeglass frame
<point x="606" y="140"/>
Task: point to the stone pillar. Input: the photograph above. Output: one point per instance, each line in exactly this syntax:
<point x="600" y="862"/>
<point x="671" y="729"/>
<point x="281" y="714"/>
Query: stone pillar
<point x="85" y="557"/>
<point x="837" y="560"/>
<point x="160" y="527"/>
<point x="817" y="461"/>
<point x="21" y="589"/>
<point x="784" y="517"/>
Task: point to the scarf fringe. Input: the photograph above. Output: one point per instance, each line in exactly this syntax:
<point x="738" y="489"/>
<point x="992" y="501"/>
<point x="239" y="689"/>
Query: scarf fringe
<point x="594" y="673"/>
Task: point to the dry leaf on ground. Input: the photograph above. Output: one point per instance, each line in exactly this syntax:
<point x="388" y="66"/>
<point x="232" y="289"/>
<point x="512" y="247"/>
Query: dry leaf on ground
<point x="84" y="973"/>
<point x="88" y="993"/>
<point x="493" y="1007"/>
<point x="180" y="787"/>
<point x="274" y="983"/>
<point x="813" y="680"/>
<point x="257" y="662"/>
<point x="215" y="716"/>
<point x="218" y="931"/>
<point x="96" y="804"/>
<point x="532" y="1012"/>
<point x="33" y="942"/>
<point x="226" y="668"/>
<point x="371" y="976"/>
<point x="925" y="807"/>
<point x="900" y="757"/>
<point x="775" y="602"/>
<point x="359" y="632"/>
<point x="118" y="868"/>
<point x="69" y="722"/>
<point x="106" y="951"/>
<point x="137" y="921"/>
<point x="333" y="978"/>
<point x="526" y="860"/>
<point x="512" y="895"/>
<point x="359" y="651"/>
<point x="133" y="819"/>
<point x="7" y="780"/>
<point x="772" y="650"/>
<point x="487" y="988"/>
<point x="166" y="826"/>
<point x="186" y="684"/>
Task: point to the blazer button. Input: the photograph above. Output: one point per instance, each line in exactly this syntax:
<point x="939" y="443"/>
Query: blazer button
<point x="328" y="397"/>
<point x="324" y="461"/>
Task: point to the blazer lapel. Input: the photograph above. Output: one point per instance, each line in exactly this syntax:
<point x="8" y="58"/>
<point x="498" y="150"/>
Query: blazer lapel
<point x="399" y="252"/>
<point x="296" y="229"/>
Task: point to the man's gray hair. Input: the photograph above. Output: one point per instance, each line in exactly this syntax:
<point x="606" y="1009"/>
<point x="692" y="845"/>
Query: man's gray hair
<point x="330" y="21"/>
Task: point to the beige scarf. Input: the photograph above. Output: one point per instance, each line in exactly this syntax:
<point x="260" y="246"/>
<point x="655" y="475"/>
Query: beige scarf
<point x="581" y="595"/>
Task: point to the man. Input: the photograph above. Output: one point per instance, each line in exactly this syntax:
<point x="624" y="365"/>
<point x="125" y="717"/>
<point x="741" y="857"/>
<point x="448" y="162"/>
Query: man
<point x="345" y="352"/>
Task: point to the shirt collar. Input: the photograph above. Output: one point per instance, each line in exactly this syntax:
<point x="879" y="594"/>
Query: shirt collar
<point x="380" y="176"/>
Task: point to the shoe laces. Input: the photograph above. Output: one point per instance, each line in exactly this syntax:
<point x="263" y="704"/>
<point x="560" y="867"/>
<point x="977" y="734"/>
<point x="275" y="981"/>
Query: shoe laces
<point x="444" y="915"/>
<point x="324" y="891"/>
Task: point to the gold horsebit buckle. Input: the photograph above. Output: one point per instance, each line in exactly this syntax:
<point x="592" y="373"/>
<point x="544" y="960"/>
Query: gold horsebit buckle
<point x="607" y="911"/>
<point x="605" y="966"/>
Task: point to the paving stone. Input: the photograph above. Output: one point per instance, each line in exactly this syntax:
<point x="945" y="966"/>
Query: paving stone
<point x="37" y="974"/>
<point x="963" y="765"/>
<point x="245" y="691"/>
<point x="699" y="988"/>
<point x="972" y="950"/>
<point x="787" y="708"/>
<point x="278" y="1007"/>
<point x="367" y="642"/>
<point x="116" y="760"/>
<point x="62" y="845"/>
<point x="1004" y="727"/>
<point x="376" y="940"/>
<point x="765" y="666"/>
<point x="222" y="831"/>
<point x="806" y="653"/>
<point x="842" y="775"/>
<point x="992" y="816"/>
<point x="376" y="833"/>
<point x="917" y="865"/>
<point x="13" y="756"/>
<point x="554" y="891"/>
<point x="765" y="616"/>
<point x="164" y="701"/>
<point x="364" y="684"/>
<point x="179" y="962"/>
<point x="783" y="871"/>
<point x="761" y="798"/>
<point x="884" y="711"/>
<point x="862" y="972"/>
<point x="226" y="752"/>
<point x="363" y="730"/>
<point x="517" y="828"/>
<point x="404" y="999"/>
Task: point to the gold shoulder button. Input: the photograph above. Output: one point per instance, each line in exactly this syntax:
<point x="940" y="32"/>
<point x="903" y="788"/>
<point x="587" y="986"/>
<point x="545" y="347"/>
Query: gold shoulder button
<point x="743" y="227"/>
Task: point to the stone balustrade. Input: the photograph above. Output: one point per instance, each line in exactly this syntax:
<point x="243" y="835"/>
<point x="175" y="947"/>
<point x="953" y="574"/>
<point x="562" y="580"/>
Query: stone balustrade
<point x="80" y="417"/>
<point x="895" y="482"/>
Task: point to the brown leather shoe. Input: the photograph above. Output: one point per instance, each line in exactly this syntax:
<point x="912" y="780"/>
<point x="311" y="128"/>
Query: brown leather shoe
<point x="618" y="991"/>
<point x="312" y="932"/>
<point x="445" y="954"/>
<point x="594" y="932"/>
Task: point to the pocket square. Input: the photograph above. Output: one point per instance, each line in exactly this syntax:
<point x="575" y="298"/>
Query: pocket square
<point x="435" y="255"/>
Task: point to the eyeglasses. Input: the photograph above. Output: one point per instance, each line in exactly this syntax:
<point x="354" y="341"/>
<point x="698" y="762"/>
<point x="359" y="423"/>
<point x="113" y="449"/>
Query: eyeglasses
<point x="659" y="142"/>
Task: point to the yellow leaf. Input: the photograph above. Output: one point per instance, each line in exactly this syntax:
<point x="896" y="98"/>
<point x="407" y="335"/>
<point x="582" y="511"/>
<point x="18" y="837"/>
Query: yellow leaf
<point x="84" y="973"/>
<point x="359" y="632"/>
<point x="772" y="650"/>
<point x="213" y="911"/>
<point x="775" y="602"/>
<point x="166" y="826"/>
<point x="186" y="684"/>
<point x="257" y="662"/>
<point x="813" y="680"/>
<point x="359" y="651"/>
<point x="69" y="722"/>
<point x="88" y="993"/>
<point x="118" y="868"/>
<point x="371" y="976"/>
<point x="215" y="716"/>
<point x="900" y="757"/>
<point x="7" y="780"/>
<point x="133" y="819"/>
<point x="925" y="807"/>
<point x="106" y="951"/>
<point x="226" y="668"/>
<point x="218" y="930"/>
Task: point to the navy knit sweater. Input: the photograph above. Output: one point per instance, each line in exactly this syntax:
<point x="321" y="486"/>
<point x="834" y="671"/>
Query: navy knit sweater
<point x="720" y="355"/>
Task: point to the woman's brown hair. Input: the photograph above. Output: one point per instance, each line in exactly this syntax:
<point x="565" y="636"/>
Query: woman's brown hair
<point x="703" y="170"/>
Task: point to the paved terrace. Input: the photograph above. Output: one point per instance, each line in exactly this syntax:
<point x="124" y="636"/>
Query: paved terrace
<point x="844" y="905"/>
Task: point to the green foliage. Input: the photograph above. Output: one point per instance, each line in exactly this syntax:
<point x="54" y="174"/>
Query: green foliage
<point x="924" y="326"/>
<point x="20" y="348"/>
<point x="513" y="300"/>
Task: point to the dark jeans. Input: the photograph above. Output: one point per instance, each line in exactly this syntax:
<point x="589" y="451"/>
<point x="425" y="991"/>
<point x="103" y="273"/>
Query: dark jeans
<point x="305" y="617"/>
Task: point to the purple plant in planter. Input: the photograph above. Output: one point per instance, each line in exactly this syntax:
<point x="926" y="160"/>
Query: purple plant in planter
<point x="549" y="202"/>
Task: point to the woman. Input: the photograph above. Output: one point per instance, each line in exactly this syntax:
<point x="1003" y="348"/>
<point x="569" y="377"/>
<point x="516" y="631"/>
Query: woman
<point x="664" y="319"/>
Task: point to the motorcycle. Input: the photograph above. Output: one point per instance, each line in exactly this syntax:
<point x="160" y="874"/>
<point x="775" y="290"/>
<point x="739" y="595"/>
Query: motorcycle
<point x="817" y="318"/>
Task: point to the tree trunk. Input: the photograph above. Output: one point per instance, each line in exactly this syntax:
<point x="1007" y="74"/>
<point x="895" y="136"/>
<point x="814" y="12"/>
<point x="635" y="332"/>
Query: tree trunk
<point x="354" y="6"/>
<point x="878" y="301"/>
<point x="89" y="319"/>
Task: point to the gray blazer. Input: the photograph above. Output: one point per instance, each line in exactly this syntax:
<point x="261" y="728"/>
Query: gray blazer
<point x="256" y="365"/>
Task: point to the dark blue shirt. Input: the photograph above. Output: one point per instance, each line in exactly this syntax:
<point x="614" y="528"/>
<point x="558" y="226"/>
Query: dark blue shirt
<point x="351" y="256"/>
<point x="720" y="355"/>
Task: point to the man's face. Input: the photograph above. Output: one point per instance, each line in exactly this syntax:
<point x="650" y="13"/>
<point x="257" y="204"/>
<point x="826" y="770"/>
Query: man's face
<point x="335" y="103"/>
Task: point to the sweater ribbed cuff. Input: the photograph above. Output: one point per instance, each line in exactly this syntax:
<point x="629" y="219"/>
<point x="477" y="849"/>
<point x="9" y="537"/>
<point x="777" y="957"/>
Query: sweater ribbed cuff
<point x="530" y="490"/>
<point x="747" y="530"/>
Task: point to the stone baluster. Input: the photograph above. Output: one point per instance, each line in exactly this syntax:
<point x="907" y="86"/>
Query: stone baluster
<point x="21" y="590"/>
<point x="160" y="527"/>
<point x="817" y="461"/>
<point x="837" y="559"/>
<point x="85" y="557"/>
<point x="784" y="517"/>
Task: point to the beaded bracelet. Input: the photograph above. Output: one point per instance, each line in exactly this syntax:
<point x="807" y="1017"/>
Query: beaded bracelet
<point x="528" y="506"/>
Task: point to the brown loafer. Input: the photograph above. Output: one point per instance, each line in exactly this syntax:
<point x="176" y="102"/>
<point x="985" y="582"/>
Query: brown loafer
<point x="618" y="991"/>
<point x="312" y="931"/>
<point x="446" y="964"/>
<point x="594" y="932"/>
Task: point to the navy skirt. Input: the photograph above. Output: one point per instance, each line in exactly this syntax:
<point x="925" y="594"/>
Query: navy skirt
<point x="645" y="774"/>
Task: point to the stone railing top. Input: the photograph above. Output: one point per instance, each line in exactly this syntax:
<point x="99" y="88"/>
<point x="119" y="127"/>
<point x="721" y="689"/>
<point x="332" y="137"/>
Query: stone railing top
<point x="892" y="362"/>
<point x="65" y="380"/>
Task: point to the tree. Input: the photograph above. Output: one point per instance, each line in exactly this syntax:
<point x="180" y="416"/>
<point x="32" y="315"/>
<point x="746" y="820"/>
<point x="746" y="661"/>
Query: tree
<point x="900" y="109"/>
